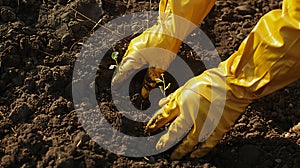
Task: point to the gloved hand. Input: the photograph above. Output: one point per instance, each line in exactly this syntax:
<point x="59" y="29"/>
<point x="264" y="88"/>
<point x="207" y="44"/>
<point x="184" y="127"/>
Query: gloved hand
<point x="209" y="104"/>
<point x="203" y="109"/>
<point x="157" y="46"/>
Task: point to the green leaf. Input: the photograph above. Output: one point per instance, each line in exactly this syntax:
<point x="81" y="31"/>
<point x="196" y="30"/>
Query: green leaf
<point x="114" y="55"/>
<point x="158" y="80"/>
<point x="168" y="86"/>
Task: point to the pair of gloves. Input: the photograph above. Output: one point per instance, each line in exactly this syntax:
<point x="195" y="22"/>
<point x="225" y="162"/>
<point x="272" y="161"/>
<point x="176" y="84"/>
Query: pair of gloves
<point x="204" y="109"/>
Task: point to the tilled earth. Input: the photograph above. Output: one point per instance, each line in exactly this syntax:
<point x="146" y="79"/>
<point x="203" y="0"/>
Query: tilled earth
<point x="40" y="41"/>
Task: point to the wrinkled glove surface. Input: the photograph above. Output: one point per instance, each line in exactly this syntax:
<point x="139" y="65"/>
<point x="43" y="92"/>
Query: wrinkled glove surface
<point x="209" y="104"/>
<point x="157" y="46"/>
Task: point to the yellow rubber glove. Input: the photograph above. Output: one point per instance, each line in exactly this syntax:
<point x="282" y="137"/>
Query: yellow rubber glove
<point x="267" y="60"/>
<point x="158" y="45"/>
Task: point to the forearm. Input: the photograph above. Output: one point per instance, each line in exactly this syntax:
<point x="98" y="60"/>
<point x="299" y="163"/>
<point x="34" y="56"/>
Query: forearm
<point x="158" y="45"/>
<point x="176" y="20"/>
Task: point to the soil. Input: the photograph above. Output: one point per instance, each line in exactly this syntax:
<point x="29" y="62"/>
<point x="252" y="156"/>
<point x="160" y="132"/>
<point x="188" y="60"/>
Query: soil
<point x="40" y="41"/>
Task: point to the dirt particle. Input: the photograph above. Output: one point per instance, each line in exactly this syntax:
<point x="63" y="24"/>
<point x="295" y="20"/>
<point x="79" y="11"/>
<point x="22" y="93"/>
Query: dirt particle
<point x="41" y="120"/>
<point x="291" y="105"/>
<point x="296" y="128"/>
<point x="80" y="139"/>
<point x="53" y="44"/>
<point x="20" y="112"/>
<point x="65" y="162"/>
<point x="278" y="160"/>
<point x="8" y="161"/>
<point x="59" y="106"/>
<point x="245" y="10"/>
<point x="7" y="14"/>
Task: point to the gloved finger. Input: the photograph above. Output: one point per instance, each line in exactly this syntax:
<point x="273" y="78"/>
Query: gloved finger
<point x="198" y="153"/>
<point x="149" y="82"/>
<point x="164" y="101"/>
<point x="189" y="106"/>
<point x="167" y="99"/>
<point x="129" y="65"/>
<point x="167" y="113"/>
<point x="170" y="97"/>
<point x="175" y="133"/>
<point x="195" y="110"/>
<point x="163" y="116"/>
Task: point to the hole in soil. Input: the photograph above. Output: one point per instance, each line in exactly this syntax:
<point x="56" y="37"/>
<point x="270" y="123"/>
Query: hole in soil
<point x="136" y="85"/>
<point x="118" y="119"/>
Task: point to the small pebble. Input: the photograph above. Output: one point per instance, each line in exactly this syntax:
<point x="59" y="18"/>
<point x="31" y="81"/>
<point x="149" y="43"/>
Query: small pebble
<point x="296" y="128"/>
<point x="278" y="160"/>
<point x="53" y="44"/>
<point x="245" y="10"/>
<point x="287" y="135"/>
<point x="298" y="142"/>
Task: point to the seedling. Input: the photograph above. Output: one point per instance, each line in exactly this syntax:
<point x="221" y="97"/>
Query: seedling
<point x="163" y="87"/>
<point x="114" y="56"/>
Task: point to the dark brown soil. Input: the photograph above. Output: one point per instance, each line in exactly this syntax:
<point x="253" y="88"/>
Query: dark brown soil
<point x="39" y="127"/>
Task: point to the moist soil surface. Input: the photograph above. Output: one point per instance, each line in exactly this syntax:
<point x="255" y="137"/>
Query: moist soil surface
<point x="39" y="126"/>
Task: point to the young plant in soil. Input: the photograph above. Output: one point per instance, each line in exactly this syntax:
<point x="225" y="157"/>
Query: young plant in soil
<point x="162" y="87"/>
<point x="114" y="56"/>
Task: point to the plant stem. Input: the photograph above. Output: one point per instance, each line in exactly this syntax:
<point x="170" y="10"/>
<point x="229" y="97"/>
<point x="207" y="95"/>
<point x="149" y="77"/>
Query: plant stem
<point x="117" y="64"/>
<point x="164" y="83"/>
